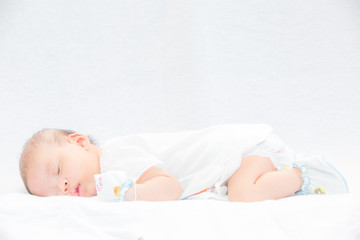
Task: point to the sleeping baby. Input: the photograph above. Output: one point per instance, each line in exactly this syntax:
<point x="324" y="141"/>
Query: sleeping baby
<point x="235" y="162"/>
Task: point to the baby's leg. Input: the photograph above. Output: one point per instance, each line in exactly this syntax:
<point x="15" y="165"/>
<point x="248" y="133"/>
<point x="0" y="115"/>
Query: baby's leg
<point x="257" y="179"/>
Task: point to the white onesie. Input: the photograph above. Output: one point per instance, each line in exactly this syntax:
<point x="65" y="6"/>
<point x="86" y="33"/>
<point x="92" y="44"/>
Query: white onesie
<point x="199" y="159"/>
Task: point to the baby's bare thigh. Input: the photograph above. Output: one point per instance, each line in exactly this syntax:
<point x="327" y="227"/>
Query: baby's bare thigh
<point x="251" y="168"/>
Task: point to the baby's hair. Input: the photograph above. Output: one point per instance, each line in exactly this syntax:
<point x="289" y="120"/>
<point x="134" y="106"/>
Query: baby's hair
<point x="44" y="136"/>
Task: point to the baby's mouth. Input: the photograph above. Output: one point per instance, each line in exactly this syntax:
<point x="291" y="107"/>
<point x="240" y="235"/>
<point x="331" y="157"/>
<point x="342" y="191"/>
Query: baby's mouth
<point x="80" y="190"/>
<point x="76" y="191"/>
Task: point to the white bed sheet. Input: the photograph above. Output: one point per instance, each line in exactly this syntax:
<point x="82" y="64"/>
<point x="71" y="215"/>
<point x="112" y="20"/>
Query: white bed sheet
<point x="304" y="217"/>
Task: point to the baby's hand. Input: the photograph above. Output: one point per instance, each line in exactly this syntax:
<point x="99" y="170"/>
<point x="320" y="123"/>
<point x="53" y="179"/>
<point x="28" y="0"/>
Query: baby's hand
<point x="112" y="185"/>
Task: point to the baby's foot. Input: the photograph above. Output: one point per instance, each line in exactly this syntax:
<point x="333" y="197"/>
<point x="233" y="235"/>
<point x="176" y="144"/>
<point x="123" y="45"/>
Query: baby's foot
<point x="319" y="176"/>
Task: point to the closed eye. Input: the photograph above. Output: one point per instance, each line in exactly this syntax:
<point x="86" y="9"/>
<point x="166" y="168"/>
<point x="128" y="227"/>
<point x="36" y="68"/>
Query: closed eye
<point x="59" y="169"/>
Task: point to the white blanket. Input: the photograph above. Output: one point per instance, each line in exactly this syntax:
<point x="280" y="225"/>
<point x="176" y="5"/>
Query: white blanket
<point x="304" y="217"/>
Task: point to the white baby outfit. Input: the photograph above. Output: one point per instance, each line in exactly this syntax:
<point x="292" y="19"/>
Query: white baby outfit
<point x="199" y="159"/>
<point x="203" y="160"/>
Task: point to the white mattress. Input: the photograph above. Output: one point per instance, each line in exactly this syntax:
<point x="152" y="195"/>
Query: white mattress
<point x="304" y="217"/>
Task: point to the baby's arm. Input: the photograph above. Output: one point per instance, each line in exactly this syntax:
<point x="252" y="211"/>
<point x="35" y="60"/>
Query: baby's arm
<point x="155" y="185"/>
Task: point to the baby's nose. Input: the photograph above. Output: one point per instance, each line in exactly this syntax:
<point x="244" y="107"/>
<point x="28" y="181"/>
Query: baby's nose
<point x="64" y="186"/>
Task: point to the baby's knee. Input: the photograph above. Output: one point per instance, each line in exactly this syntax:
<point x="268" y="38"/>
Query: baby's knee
<point x="241" y="192"/>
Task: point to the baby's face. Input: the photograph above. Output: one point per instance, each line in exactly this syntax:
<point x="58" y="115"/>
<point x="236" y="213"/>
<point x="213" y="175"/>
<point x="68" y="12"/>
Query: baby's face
<point x="66" y="169"/>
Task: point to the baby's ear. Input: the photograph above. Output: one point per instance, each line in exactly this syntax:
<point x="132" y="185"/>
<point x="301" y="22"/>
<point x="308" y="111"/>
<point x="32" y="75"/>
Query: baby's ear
<point x="79" y="139"/>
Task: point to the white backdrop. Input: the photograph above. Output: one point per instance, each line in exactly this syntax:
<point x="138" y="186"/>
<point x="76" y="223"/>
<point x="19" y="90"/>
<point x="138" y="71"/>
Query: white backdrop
<point x="109" y="68"/>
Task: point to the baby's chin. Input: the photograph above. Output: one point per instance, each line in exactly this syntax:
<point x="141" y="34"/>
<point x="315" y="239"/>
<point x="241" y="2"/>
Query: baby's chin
<point x="88" y="187"/>
<point x="91" y="192"/>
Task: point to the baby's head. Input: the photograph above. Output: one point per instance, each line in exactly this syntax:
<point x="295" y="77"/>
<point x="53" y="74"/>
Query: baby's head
<point x="60" y="162"/>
